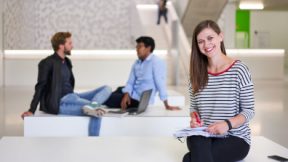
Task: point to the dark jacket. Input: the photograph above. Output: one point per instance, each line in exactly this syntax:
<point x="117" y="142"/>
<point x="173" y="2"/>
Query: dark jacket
<point x="49" y="84"/>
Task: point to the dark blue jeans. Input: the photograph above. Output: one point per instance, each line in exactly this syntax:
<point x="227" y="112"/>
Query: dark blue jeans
<point x="114" y="101"/>
<point x="162" y="13"/>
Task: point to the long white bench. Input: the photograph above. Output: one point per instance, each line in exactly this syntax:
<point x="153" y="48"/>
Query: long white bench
<point x="145" y="124"/>
<point x="42" y="124"/>
<point x="174" y="98"/>
<point x="111" y="149"/>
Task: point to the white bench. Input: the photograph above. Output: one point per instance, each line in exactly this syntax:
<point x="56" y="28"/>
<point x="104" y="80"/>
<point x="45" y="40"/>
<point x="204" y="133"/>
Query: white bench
<point x="111" y="149"/>
<point x="42" y="124"/>
<point x="174" y="98"/>
<point x="145" y="124"/>
<point x="48" y="125"/>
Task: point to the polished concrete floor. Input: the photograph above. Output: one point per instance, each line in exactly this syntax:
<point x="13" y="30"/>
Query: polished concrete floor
<point x="271" y="105"/>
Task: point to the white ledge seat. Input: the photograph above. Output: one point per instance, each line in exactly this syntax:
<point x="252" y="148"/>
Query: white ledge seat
<point x="155" y="121"/>
<point x="130" y="149"/>
<point x="174" y="98"/>
<point x="48" y="125"/>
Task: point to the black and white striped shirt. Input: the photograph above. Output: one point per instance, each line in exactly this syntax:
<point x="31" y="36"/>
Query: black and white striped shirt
<point x="226" y="95"/>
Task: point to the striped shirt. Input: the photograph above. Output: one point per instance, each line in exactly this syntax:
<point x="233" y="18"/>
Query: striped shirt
<point x="226" y="95"/>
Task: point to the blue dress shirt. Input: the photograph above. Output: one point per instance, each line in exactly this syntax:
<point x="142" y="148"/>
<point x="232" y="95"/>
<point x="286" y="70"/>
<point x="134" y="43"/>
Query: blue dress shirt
<point x="147" y="74"/>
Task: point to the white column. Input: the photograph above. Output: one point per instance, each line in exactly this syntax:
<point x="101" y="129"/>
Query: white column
<point x="2" y="116"/>
<point x="1" y="24"/>
<point x="1" y="42"/>
<point x="227" y="24"/>
<point x="180" y="7"/>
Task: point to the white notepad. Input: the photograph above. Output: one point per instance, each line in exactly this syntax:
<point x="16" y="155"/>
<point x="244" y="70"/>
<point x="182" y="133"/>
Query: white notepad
<point x="199" y="131"/>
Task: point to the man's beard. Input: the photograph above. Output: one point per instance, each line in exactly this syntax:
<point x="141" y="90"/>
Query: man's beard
<point x="67" y="52"/>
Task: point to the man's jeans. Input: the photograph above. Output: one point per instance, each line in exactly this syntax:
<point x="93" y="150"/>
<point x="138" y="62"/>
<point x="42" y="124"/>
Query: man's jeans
<point x="72" y="103"/>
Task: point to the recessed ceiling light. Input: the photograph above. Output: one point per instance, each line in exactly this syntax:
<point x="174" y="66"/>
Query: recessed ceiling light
<point x="251" y="5"/>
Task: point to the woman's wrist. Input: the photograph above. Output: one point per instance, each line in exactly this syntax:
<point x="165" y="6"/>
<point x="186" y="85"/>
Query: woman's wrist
<point x="228" y="123"/>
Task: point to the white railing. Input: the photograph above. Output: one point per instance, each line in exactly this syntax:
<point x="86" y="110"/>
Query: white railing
<point x="136" y="26"/>
<point x="179" y="48"/>
<point x="1" y="69"/>
<point x="181" y="43"/>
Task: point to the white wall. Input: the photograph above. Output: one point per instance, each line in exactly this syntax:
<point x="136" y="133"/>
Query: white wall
<point x="97" y="24"/>
<point x="272" y="25"/>
<point x="272" y="29"/>
<point x="90" y="70"/>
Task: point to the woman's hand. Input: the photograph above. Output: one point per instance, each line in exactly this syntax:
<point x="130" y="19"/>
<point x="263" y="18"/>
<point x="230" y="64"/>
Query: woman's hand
<point x="220" y="127"/>
<point x="195" y="120"/>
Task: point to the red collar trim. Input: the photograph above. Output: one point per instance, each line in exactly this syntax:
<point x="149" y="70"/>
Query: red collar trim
<point x="216" y="74"/>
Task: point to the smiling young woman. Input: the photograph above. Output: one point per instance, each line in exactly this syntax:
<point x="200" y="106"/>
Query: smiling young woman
<point x="221" y="93"/>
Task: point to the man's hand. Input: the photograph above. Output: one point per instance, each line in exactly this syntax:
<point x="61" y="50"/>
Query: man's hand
<point x="26" y="113"/>
<point x="99" y="112"/>
<point x="172" y="108"/>
<point x="125" y="101"/>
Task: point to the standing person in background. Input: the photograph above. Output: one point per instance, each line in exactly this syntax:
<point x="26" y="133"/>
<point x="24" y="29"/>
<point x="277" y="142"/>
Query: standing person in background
<point x="55" y="87"/>
<point x="162" y="11"/>
<point x="221" y="94"/>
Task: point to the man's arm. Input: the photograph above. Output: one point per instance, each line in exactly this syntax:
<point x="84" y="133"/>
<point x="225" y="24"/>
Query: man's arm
<point x="169" y="107"/>
<point x="127" y="90"/>
<point x="129" y="85"/>
<point x="159" y="75"/>
<point x="43" y="74"/>
<point x="125" y="101"/>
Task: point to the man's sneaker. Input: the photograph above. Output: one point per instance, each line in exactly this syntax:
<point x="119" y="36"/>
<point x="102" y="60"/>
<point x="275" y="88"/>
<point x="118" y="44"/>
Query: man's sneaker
<point x="93" y="109"/>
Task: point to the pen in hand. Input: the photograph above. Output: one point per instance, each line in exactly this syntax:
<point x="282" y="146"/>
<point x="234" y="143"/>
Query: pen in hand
<point x="195" y="116"/>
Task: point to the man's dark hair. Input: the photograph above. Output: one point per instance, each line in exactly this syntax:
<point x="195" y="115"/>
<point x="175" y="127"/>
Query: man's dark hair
<point x="59" y="38"/>
<point x="148" y="42"/>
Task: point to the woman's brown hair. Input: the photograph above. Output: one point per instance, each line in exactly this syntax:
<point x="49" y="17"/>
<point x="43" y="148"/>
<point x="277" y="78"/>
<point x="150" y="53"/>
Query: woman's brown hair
<point x="198" y="61"/>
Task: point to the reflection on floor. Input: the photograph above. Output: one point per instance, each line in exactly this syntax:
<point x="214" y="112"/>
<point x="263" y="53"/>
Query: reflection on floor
<point x="270" y="120"/>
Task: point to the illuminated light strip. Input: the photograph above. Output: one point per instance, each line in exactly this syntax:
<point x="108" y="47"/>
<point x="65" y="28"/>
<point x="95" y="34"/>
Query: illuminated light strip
<point x="251" y="5"/>
<point x="25" y="52"/>
<point x="150" y="6"/>
<point x="255" y="51"/>
<point x="79" y="53"/>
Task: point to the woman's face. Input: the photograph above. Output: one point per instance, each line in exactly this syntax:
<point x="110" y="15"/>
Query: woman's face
<point x="209" y="42"/>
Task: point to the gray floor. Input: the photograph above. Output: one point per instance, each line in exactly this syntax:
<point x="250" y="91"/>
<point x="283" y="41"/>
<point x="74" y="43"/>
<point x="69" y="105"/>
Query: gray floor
<point x="270" y="120"/>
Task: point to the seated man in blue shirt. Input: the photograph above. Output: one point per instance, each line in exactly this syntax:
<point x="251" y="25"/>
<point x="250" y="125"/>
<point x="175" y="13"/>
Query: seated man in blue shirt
<point x="148" y="72"/>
